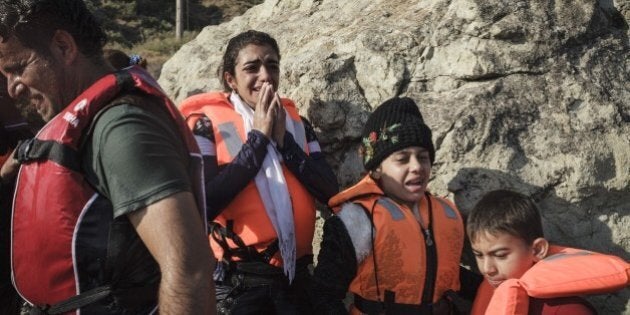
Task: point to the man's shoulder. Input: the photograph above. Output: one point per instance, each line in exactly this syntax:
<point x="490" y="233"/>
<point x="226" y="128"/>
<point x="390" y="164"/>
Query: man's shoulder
<point x="131" y="105"/>
<point x="135" y="99"/>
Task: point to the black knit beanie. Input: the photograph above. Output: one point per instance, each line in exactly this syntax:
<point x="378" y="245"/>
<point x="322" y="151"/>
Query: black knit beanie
<point x="394" y="125"/>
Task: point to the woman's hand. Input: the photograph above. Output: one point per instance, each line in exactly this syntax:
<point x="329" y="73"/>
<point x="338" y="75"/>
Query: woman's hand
<point x="279" y="125"/>
<point x="264" y="116"/>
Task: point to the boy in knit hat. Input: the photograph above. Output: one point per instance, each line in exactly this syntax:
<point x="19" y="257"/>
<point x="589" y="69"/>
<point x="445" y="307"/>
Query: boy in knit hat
<point x="391" y="243"/>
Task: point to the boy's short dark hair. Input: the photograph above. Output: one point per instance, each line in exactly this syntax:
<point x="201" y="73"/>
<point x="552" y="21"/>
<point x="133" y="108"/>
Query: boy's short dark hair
<point x="505" y="211"/>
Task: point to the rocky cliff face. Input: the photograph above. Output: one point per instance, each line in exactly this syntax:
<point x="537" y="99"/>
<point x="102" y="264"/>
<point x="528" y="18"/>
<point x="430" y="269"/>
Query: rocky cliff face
<point x="526" y="95"/>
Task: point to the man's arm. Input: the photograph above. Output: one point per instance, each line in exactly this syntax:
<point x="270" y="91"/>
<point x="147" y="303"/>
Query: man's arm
<point x="173" y="232"/>
<point x="136" y="159"/>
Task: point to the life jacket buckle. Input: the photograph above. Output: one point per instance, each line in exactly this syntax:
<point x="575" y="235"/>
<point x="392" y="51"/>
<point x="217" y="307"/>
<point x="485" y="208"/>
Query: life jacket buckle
<point x="23" y="149"/>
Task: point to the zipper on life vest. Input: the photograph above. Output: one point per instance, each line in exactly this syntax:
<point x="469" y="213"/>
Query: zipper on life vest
<point x="427" y="237"/>
<point x="431" y="259"/>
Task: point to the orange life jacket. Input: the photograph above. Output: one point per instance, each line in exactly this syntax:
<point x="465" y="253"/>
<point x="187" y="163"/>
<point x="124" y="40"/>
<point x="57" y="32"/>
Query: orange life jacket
<point x="565" y="272"/>
<point x="246" y="215"/>
<point x="400" y="248"/>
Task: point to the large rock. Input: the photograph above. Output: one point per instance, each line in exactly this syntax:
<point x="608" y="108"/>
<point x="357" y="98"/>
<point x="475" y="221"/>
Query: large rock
<point x="527" y="95"/>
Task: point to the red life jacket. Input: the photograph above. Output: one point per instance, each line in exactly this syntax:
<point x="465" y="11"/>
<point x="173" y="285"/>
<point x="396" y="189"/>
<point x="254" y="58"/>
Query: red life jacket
<point x="565" y="272"/>
<point x="246" y="215"/>
<point x="60" y="242"/>
<point x="403" y="253"/>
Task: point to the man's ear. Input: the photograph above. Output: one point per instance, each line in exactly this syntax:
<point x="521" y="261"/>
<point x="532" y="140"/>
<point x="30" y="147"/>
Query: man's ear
<point x="63" y="47"/>
<point x="231" y="81"/>
<point x="540" y="246"/>
<point x="376" y="173"/>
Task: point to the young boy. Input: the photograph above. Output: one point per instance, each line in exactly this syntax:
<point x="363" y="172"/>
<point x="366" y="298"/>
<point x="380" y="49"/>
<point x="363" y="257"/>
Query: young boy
<point x="391" y="243"/>
<point x="506" y="235"/>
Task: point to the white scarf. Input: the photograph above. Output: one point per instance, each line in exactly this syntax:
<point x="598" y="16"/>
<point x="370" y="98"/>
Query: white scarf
<point x="273" y="190"/>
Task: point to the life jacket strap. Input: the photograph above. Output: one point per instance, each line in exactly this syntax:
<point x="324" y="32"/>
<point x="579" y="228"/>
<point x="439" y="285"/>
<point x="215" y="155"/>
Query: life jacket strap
<point x="36" y="150"/>
<point x="243" y="252"/>
<point x="389" y="306"/>
<point x="254" y="274"/>
<point x="128" y="297"/>
<point x="75" y="302"/>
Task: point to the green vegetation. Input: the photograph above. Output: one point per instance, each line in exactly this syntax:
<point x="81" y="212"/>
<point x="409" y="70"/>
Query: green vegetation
<point x="147" y="27"/>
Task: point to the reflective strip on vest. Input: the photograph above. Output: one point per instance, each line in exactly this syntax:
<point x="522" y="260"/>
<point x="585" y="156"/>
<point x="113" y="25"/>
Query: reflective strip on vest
<point x="450" y="213"/>
<point x="566" y="255"/>
<point x="229" y="134"/>
<point x="233" y="143"/>
<point x="393" y="209"/>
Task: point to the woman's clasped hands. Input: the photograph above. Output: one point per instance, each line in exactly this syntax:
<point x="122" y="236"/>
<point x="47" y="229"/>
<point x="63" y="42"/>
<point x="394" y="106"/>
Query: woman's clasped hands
<point x="269" y="115"/>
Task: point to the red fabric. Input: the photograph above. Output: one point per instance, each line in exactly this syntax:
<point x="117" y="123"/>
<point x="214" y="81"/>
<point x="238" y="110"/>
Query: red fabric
<point x="45" y="217"/>
<point x="571" y="305"/>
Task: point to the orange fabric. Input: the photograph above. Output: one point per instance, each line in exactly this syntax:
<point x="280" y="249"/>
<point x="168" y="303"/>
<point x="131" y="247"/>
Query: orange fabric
<point x="482" y="299"/>
<point x="571" y="271"/>
<point x="399" y="245"/>
<point x="565" y="272"/>
<point x="509" y="298"/>
<point x="251" y="222"/>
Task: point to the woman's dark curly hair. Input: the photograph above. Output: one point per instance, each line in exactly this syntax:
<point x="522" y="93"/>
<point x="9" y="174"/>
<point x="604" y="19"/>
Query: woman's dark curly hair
<point x="34" y="22"/>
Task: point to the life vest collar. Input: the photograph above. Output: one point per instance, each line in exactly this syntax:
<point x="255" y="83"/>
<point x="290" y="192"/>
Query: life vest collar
<point x="366" y="186"/>
<point x="565" y="272"/>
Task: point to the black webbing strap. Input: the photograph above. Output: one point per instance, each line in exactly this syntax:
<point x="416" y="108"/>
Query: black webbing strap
<point x="462" y="305"/>
<point x="271" y="250"/>
<point x="125" y="297"/>
<point x="389" y="306"/>
<point x="221" y="234"/>
<point x="36" y="150"/>
<point x="217" y="233"/>
<point x="246" y="253"/>
<point x="124" y="80"/>
<point x="430" y="250"/>
<point x="75" y="302"/>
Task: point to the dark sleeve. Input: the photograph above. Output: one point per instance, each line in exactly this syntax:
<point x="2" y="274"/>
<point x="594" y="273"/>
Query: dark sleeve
<point x="5" y="146"/>
<point x="470" y="282"/>
<point x="335" y="270"/>
<point x="571" y="305"/>
<point x="136" y="157"/>
<point x="311" y="170"/>
<point x="10" y="136"/>
<point x="222" y="185"/>
<point x="463" y="300"/>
